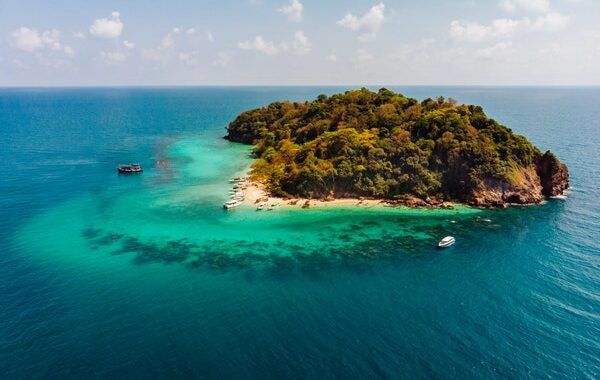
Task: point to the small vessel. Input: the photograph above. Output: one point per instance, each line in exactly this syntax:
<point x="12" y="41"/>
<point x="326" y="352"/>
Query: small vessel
<point x="130" y="168"/>
<point x="447" y="242"/>
<point x="231" y="204"/>
<point x="260" y="207"/>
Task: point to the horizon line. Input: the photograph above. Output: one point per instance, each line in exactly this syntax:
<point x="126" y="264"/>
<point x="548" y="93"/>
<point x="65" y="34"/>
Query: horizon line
<point x="291" y="85"/>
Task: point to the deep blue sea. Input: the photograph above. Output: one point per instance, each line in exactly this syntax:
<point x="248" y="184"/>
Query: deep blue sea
<point x="146" y="276"/>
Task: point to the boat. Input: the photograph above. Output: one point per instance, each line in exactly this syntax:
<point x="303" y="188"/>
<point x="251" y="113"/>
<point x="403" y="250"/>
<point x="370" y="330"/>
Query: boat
<point x="447" y="242"/>
<point x="231" y="204"/>
<point x="260" y="207"/>
<point x="130" y="168"/>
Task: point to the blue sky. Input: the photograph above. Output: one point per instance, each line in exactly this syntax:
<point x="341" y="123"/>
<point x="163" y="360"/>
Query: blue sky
<point x="277" y="42"/>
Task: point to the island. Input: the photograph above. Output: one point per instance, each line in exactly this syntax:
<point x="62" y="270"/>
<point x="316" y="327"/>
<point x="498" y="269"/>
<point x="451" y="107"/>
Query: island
<point x="386" y="146"/>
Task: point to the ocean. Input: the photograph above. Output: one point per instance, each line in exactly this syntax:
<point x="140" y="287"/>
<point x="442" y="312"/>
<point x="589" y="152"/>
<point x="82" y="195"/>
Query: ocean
<point x="146" y="276"/>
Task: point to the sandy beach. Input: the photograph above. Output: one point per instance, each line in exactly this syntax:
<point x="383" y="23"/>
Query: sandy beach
<point x="255" y="193"/>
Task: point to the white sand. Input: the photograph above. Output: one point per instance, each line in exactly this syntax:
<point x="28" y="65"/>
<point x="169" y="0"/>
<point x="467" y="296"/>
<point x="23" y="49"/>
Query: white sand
<point x="255" y="193"/>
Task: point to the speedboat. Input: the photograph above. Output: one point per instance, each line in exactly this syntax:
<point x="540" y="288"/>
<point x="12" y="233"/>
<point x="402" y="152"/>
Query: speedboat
<point x="447" y="242"/>
<point x="130" y="168"/>
<point x="260" y="207"/>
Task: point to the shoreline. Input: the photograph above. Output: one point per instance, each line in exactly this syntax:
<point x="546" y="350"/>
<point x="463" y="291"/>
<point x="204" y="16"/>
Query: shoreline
<point x="255" y="193"/>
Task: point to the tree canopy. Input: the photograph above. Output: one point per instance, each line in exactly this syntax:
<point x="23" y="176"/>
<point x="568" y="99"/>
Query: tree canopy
<point x="379" y="144"/>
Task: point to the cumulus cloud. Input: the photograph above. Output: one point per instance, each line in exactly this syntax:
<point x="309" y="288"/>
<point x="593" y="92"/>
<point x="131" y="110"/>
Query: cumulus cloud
<point x="128" y="44"/>
<point x="26" y="39"/>
<point x="107" y="27"/>
<point x="301" y="44"/>
<point x="259" y="44"/>
<point x="501" y="28"/>
<point x="541" y="6"/>
<point x="210" y="37"/>
<point x="476" y="32"/>
<point x="293" y="10"/>
<point x="368" y="24"/>
<point x="169" y="39"/>
<point x="79" y="35"/>
<point x="165" y="51"/>
<point x="31" y="40"/>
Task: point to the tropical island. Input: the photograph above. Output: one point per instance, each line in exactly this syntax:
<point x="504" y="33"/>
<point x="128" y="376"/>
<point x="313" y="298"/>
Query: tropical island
<point x="385" y="146"/>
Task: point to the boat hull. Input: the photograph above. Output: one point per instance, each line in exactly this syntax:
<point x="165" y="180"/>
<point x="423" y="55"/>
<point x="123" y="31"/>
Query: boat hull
<point x="446" y="242"/>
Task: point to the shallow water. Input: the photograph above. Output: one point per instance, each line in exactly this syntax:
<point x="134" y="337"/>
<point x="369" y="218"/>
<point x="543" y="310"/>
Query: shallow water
<point x="108" y="275"/>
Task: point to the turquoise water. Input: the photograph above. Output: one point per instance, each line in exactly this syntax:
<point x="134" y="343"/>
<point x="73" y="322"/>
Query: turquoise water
<point x="143" y="276"/>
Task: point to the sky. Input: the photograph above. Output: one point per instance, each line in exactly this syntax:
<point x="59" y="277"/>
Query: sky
<point x="299" y="42"/>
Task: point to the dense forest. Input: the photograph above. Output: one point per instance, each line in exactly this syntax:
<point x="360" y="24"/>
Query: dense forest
<point x="385" y="145"/>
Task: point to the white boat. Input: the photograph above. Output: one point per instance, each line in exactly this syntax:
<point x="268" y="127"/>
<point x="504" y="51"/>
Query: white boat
<point x="260" y="207"/>
<point x="447" y="242"/>
<point x="231" y="204"/>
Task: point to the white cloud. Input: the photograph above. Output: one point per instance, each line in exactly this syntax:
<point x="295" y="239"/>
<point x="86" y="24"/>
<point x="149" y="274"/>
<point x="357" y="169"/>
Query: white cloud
<point x="113" y="56"/>
<point x="259" y="44"/>
<point x="26" y="39"/>
<point x="223" y="58"/>
<point x="369" y="23"/>
<point x="107" y="28"/>
<point x="293" y="10"/>
<point x="210" y="37"/>
<point x="476" y="32"/>
<point x="69" y="51"/>
<point x="551" y="22"/>
<point x="332" y="57"/>
<point x="128" y="44"/>
<point x="503" y="28"/>
<point x="301" y="44"/>
<point x="497" y="51"/>
<point x="30" y="40"/>
<point x="190" y="31"/>
<point x="51" y="38"/>
<point x="541" y="6"/>
<point x="169" y="39"/>
<point x="79" y="35"/>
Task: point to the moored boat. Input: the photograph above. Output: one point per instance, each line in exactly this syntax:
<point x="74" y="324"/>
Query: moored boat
<point x="130" y="168"/>
<point x="231" y="204"/>
<point x="447" y="242"/>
